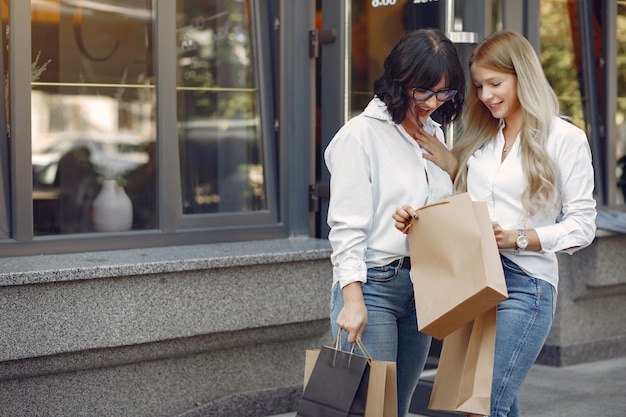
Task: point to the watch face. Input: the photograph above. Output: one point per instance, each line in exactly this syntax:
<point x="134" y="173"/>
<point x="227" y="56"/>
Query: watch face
<point x="522" y="242"/>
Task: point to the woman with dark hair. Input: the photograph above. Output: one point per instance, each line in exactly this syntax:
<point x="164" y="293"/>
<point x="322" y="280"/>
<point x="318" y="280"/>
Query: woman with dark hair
<point x="376" y="162"/>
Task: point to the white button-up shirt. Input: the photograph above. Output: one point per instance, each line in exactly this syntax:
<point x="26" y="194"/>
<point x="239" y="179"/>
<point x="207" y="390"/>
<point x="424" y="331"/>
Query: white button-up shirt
<point x="500" y="184"/>
<point x="376" y="167"/>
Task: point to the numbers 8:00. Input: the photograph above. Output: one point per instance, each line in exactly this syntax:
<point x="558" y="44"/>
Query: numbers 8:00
<point x="381" y="3"/>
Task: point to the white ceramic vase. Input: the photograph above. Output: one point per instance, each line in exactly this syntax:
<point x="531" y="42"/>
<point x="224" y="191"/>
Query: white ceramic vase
<point x="112" y="209"/>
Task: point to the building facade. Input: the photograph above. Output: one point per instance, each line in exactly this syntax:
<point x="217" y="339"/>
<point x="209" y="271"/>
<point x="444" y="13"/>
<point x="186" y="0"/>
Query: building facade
<point x="163" y="196"/>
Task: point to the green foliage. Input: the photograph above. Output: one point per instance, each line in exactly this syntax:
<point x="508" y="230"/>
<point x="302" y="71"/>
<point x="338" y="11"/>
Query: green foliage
<point x="558" y="58"/>
<point x="621" y="62"/>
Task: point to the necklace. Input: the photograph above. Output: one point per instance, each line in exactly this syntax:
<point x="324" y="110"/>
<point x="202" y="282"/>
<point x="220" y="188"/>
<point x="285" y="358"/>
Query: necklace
<point x="506" y="148"/>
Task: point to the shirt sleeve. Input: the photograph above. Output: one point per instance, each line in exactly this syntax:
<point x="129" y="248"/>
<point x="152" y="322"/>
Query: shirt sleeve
<point x="577" y="225"/>
<point x="350" y="208"/>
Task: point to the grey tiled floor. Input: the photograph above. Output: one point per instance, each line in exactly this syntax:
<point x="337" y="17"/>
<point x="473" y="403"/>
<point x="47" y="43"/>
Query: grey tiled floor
<point x="588" y="389"/>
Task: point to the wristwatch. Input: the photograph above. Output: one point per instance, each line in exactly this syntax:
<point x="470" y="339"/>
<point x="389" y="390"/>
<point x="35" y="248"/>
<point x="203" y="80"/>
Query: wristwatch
<point x="522" y="239"/>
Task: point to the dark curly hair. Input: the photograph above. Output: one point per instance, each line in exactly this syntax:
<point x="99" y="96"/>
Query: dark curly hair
<point x="420" y="59"/>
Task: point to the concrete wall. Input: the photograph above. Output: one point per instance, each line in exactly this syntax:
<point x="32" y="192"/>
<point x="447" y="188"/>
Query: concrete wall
<point x="590" y="321"/>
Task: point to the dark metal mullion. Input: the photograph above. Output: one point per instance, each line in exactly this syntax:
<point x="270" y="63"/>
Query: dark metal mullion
<point x="609" y="31"/>
<point x="20" y="45"/>
<point x="585" y="16"/>
<point x="263" y="30"/>
<point x="335" y="106"/>
<point x="5" y="208"/>
<point x="296" y="121"/>
<point x="169" y="193"/>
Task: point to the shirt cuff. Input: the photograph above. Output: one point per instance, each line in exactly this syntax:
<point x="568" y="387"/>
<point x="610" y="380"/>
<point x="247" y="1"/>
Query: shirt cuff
<point x="549" y="237"/>
<point x="557" y="238"/>
<point x="351" y="271"/>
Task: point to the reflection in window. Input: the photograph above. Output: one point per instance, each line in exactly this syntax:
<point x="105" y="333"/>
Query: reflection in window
<point x="92" y="114"/>
<point x="560" y="57"/>
<point x="561" y="53"/>
<point x="620" y="116"/>
<point x="218" y="116"/>
<point x="4" y="117"/>
<point x="374" y="31"/>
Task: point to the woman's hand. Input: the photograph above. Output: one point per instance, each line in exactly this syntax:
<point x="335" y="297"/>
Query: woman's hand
<point x="437" y="152"/>
<point x="402" y="218"/>
<point x="353" y="316"/>
<point x="504" y="238"/>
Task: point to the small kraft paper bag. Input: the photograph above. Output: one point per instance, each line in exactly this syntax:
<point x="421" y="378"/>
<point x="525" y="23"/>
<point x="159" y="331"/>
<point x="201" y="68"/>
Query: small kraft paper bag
<point x="465" y="371"/>
<point x="376" y="396"/>
<point x="455" y="264"/>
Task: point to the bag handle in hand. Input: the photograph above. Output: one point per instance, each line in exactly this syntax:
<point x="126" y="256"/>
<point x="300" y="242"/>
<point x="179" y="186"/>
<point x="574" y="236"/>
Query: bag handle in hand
<point x="358" y="342"/>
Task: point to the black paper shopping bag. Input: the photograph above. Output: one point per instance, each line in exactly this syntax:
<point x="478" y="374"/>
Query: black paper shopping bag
<point x="337" y="386"/>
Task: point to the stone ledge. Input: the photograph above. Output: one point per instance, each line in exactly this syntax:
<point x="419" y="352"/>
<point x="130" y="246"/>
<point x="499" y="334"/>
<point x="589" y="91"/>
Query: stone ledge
<point x="595" y="271"/>
<point x="132" y="262"/>
<point x="153" y="332"/>
<point x="259" y="403"/>
<point x="596" y="350"/>
<point x="127" y="298"/>
<point x="164" y="387"/>
<point x="126" y="355"/>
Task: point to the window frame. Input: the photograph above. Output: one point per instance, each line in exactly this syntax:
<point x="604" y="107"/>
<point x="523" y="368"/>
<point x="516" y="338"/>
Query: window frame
<point x="173" y="227"/>
<point x="263" y="78"/>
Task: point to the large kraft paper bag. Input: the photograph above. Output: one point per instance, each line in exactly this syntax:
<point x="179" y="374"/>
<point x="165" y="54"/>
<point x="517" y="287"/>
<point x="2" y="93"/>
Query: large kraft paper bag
<point x="465" y="371"/>
<point x="382" y="392"/>
<point x="455" y="264"/>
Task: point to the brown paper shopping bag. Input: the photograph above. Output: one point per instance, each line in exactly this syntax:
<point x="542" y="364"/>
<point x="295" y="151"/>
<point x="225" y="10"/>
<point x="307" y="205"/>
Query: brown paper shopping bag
<point x="455" y="264"/>
<point x="382" y="393"/>
<point x="465" y="370"/>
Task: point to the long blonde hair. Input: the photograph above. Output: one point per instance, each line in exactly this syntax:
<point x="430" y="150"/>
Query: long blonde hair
<point x="509" y="52"/>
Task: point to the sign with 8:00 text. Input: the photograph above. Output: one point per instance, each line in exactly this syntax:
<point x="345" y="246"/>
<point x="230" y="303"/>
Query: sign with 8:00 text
<point x="383" y="3"/>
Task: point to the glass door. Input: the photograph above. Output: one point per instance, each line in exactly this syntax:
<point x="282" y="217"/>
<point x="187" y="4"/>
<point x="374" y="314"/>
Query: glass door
<point x="365" y="31"/>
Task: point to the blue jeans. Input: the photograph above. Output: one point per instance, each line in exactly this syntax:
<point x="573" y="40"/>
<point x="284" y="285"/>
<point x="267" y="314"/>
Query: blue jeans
<point x="391" y="333"/>
<point x="523" y="324"/>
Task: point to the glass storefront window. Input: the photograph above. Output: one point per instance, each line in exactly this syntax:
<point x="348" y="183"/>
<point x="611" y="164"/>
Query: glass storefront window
<point x="162" y="112"/>
<point x="559" y="48"/>
<point x="620" y="115"/>
<point x="562" y="58"/>
<point x="221" y="159"/>
<point x="376" y="26"/>
<point x="93" y="113"/>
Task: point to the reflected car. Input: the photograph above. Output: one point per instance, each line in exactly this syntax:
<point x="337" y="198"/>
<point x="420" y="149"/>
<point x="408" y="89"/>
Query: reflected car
<point x="111" y="154"/>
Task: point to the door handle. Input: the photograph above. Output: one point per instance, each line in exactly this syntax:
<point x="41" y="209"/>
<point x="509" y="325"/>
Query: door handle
<point x="318" y="37"/>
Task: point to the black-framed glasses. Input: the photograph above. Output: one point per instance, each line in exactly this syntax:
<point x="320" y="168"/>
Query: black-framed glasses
<point x="423" y="94"/>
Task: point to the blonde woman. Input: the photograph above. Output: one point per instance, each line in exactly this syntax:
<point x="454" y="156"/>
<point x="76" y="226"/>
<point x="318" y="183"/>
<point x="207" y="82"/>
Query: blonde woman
<point x="534" y="171"/>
